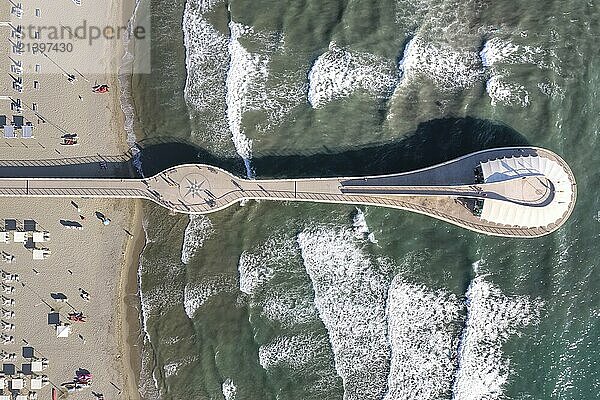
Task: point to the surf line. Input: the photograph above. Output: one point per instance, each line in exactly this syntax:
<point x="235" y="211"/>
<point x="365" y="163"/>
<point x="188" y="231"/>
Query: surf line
<point x="461" y="339"/>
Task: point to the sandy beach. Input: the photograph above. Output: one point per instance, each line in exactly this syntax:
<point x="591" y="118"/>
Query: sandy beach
<point x="91" y="259"/>
<point x="52" y="94"/>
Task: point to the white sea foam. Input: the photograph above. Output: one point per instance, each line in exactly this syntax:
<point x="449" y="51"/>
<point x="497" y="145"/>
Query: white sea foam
<point x="450" y="69"/>
<point x="244" y="92"/>
<point x="246" y="88"/>
<point x="171" y="368"/>
<point x="498" y="51"/>
<point x="225" y="80"/>
<point x="290" y="307"/>
<point x="198" y="293"/>
<point x="256" y="268"/>
<point x="148" y="385"/>
<point x="361" y="229"/>
<point x="422" y="333"/>
<point x="410" y="13"/>
<point x="207" y="59"/>
<point x="252" y="275"/>
<point x="492" y="318"/>
<point x="359" y="223"/>
<point x="505" y="92"/>
<point x="144" y="312"/>
<point x="229" y="389"/>
<point x="350" y="296"/>
<point x="293" y="352"/>
<point x="339" y="72"/>
<point x="281" y="293"/>
<point x="196" y="232"/>
<point x="499" y="54"/>
<point x="551" y="89"/>
<point x="477" y="265"/>
<point x="287" y="304"/>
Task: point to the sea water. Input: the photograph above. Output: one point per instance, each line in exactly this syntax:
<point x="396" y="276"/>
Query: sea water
<point x="269" y="300"/>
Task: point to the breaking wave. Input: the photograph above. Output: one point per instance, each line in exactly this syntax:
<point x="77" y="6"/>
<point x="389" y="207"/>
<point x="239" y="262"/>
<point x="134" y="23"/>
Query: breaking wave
<point x="338" y="73"/>
<point x="492" y="318"/>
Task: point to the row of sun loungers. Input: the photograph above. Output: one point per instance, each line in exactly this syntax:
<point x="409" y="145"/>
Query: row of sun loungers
<point x="23" y="237"/>
<point x="10" y="132"/>
<point x="19" y="385"/>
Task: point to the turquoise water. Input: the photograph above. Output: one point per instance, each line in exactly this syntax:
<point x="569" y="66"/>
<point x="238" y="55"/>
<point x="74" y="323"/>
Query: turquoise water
<point x="312" y="301"/>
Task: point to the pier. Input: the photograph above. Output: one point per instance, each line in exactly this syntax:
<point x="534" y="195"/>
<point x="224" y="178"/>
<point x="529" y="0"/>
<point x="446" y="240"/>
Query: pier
<point x="515" y="191"/>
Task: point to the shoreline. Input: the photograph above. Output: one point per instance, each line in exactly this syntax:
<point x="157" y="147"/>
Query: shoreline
<point x="129" y="307"/>
<point x="130" y="340"/>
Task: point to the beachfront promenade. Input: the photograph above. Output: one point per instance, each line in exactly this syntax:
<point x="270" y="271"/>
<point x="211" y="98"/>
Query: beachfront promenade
<point x="518" y="191"/>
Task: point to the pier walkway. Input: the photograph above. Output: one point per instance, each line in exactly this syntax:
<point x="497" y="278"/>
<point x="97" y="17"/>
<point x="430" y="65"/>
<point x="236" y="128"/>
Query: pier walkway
<point x="520" y="192"/>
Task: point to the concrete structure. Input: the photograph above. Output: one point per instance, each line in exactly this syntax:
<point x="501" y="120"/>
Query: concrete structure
<point x="517" y="191"/>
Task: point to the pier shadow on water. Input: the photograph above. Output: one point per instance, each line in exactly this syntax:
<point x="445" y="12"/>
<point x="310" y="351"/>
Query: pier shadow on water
<point x="433" y="142"/>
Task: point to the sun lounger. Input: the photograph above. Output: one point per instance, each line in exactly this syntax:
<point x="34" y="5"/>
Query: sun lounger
<point x="20" y="237"/>
<point x="9" y="132"/>
<point x="27" y="132"/>
<point x="36" y="383"/>
<point x="40" y="237"/>
<point x="17" y="384"/>
<point x="36" y="366"/>
<point x="38" y="254"/>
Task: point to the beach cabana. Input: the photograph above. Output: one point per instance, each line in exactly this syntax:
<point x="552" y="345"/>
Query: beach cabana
<point x="9" y="132"/>
<point x="4" y="237"/>
<point x="21" y="397"/>
<point x="2" y="383"/>
<point x="27" y="132"/>
<point x="20" y="237"/>
<point x="4" y="397"/>
<point x="63" y="331"/>
<point x="38" y="254"/>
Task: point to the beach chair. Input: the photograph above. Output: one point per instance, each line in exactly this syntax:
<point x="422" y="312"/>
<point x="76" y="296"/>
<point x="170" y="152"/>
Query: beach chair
<point x="17" y="84"/>
<point x="17" y="9"/>
<point x="16" y="106"/>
